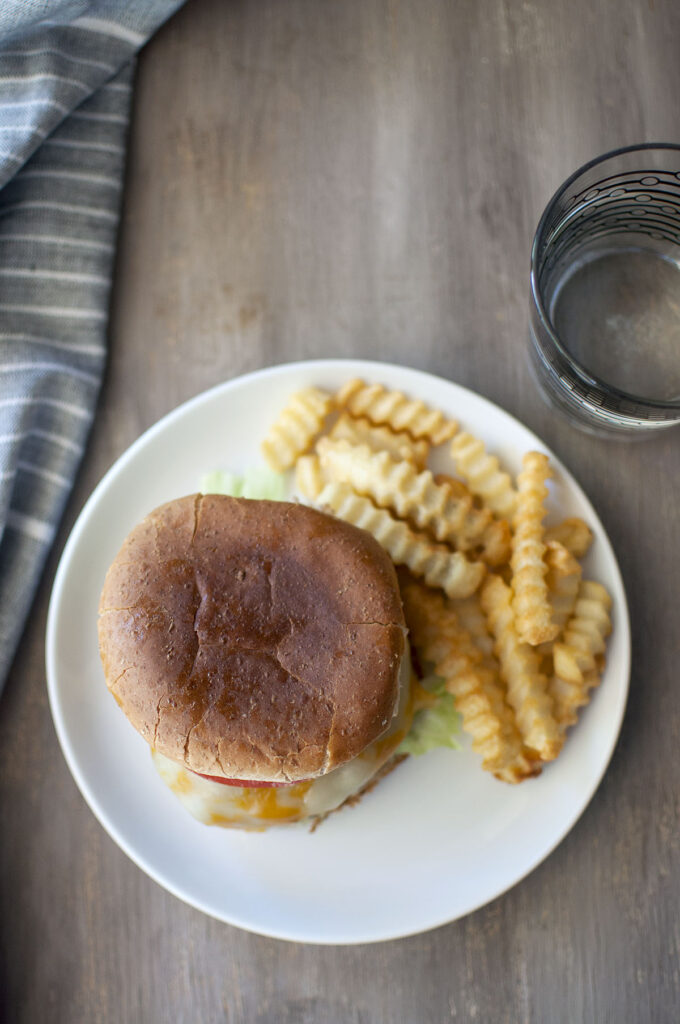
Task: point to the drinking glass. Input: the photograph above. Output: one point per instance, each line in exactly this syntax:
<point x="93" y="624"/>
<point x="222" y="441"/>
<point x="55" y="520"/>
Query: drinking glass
<point x="605" y="293"/>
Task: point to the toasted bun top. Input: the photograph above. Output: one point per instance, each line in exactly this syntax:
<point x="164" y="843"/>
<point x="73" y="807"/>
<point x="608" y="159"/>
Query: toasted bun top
<point x="252" y="639"/>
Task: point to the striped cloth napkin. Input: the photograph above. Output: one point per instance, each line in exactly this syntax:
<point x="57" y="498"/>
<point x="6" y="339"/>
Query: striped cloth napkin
<point x="66" y="69"/>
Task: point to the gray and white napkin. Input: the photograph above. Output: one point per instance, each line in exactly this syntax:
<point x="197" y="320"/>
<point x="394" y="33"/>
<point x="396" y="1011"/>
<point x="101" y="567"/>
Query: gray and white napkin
<point x="66" y="71"/>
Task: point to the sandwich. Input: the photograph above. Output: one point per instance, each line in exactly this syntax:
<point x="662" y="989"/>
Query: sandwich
<point x="259" y="647"/>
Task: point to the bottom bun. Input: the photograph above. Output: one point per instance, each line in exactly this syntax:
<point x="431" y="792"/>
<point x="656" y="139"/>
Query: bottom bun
<point x="313" y="799"/>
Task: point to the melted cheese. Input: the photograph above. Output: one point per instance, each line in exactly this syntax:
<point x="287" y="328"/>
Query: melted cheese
<point x="256" y="808"/>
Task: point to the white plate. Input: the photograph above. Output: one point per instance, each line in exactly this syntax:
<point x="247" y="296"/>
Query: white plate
<point x="437" y="838"/>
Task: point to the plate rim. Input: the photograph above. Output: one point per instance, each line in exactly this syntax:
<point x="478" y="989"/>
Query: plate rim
<point x="363" y="368"/>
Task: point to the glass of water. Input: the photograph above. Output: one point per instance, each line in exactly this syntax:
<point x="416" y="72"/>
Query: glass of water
<point x="605" y="293"/>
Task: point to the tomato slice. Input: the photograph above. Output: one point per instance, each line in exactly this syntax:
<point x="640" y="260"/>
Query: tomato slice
<point x="244" y="783"/>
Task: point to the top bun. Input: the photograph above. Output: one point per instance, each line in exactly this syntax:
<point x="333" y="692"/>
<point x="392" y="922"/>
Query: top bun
<point x="252" y="639"/>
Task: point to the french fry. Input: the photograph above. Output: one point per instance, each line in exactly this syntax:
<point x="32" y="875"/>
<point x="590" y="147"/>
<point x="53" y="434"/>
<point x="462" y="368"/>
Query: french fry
<point x="494" y="543"/>
<point x="436" y="564"/>
<point x="562" y="579"/>
<point x="294" y="431"/>
<point x="399" y="444"/>
<point x="530" y="591"/>
<point x="412" y="495"/>
<point x="380" y="405"/>
<point x="584" y="634"/>
<point x="440" y="640"/>
<point x="309" y="479"/>
<point x="579" y="660"/>
<point x="573" y="533"/>
<point x="519" y="665"/>
<point x="569" y="696"/>
<point x="473" y="619"/>
<point x="483" y="476"/>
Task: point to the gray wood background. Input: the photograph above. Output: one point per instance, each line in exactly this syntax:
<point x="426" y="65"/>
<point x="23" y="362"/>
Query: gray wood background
<point x="363" y="177"/>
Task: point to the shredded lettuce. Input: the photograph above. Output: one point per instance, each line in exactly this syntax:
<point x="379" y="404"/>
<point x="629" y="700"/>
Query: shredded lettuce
<point x="435" y="726"/>
<point x="254" y="483"/>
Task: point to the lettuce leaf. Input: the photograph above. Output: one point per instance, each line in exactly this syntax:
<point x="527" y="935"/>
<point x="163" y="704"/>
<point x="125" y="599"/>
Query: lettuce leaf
<point x="435" y="726"/>
<point x="221" y="482"/>
<point x="263" y="483"/>
<point x="258" y="482"/>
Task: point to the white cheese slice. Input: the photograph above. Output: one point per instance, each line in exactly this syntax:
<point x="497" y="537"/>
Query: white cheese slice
<point x="214" y="803"/>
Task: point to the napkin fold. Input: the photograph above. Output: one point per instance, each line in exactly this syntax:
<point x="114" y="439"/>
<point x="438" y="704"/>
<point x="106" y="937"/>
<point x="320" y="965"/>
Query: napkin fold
<point x="66" y="72"/>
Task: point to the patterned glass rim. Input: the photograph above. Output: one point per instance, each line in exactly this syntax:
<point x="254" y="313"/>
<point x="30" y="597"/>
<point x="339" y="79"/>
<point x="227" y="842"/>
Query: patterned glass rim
<point x="583" y="376"/>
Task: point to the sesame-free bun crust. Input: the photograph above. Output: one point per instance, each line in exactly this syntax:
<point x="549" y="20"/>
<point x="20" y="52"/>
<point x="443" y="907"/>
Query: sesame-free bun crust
<point x="252" y="639"/>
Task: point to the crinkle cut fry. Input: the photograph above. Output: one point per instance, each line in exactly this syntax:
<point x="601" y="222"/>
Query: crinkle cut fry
<point x="519" y="665"/>
<point x="569" y="696"/>
<point x="309" y="478"/>
<point x="398" y="443"/>
<point x="533" y="614"/>
<point x="483" y="475"/>
<point x="563" y="580"/>
<point x="294" y="430"/>
<point x="473" y="620"/>
<point x="380" y="405"/>
<point x="440" y="639"/>
<point x="586" y="631"/>
<point x="494" y="542"/>
<point x="436" y="564"/>
<point x="573" y="533"/>
<point x="411" y="494"/>
<point x="578" y="659"/>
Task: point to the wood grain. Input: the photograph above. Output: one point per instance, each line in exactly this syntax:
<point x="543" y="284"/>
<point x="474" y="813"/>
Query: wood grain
<point x="315" y="178"/>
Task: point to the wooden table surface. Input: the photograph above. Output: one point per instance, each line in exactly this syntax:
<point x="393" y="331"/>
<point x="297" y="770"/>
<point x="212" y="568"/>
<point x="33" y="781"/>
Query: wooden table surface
<point x="362" y="178"/>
